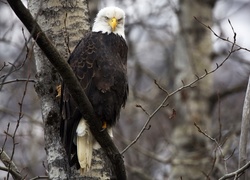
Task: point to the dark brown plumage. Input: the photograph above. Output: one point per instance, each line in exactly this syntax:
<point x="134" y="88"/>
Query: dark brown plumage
<point x="99" y="62"/>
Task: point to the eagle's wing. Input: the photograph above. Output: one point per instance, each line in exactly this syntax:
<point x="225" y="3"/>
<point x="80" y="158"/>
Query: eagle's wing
<point x="93" y="65"/>
<point x="83" y="66"/>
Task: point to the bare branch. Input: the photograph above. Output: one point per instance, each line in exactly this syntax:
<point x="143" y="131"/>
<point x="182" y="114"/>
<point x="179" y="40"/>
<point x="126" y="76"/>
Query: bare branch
<point x="3" y="66"/>
<point x="219" y="118"/>
<point x="160" y="87"/>
<point x="145" y="126"/>
<point x="18" y="80"/>
<point x="209" y="137"/>
<point x="11" y="167"/>
<point x="236" y="173"/>
<point x="216" y="142"/>
<point x="233" y="43"/>
<point x="5" y="140"/>
<point x="13" y="68"/>
<point x="11" y="164"/>
<point x="144" y="110"/>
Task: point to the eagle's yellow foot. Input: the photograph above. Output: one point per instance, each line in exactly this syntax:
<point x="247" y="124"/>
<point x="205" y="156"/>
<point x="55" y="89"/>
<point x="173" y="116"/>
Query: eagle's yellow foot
<point x="104" y="125"/>
<point x="58" y="89"/>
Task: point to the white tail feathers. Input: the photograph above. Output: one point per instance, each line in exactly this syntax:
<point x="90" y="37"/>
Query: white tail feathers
<point x="84" y="143"/>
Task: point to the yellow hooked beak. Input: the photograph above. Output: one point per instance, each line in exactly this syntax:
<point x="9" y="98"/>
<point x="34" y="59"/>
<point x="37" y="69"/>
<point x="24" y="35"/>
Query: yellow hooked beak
<point x="113" y="23"/>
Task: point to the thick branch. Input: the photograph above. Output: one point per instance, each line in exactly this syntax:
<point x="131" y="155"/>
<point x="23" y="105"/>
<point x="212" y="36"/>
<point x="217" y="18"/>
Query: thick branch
<point x="73" y="85"/>
<point x="9" y="163"/>
<point x="236" y="173"/>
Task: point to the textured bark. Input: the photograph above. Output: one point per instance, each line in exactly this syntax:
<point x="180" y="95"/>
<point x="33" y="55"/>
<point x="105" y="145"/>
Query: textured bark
<point x="244" y="131"/>
<point x="192" y="57"/>
<point x="65" y="23"/>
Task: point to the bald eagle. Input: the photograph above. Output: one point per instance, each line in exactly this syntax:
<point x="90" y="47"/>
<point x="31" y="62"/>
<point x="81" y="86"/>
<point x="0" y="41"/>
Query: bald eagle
<point x="99" y="61"/>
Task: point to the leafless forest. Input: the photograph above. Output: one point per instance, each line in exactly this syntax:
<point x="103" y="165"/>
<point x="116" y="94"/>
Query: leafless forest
<point x="188" y="108"/>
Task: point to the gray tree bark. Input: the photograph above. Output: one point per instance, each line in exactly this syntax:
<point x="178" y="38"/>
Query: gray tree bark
<point x="244" y="131"/>
<point x="65" y="23"/>
<point x="192" y="57"/>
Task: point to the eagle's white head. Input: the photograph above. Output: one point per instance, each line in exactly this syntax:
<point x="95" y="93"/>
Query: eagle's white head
<point x="110" y="19"/>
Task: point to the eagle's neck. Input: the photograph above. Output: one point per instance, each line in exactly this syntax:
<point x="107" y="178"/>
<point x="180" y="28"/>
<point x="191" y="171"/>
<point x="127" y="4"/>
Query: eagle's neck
<point x="98" y="27"/>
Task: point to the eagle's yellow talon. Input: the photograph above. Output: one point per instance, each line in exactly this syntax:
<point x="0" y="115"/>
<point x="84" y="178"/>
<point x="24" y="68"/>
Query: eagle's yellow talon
<point x="58" y="89"/>
<point x="104" y="125"/>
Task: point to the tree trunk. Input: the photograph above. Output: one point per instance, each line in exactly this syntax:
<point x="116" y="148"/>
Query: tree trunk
<point x="65" y="23"/>
<point x="244" y="132"/>
<point x="192" y="57"/>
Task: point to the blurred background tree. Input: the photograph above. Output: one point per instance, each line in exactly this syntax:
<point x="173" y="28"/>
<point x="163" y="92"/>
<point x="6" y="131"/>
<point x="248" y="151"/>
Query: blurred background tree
<point x="168" y="48"/>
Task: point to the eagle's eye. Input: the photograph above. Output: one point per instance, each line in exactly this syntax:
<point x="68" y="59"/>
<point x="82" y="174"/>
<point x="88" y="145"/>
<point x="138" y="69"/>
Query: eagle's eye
<point x="106" y="18"/>
<point x="120" y="20"/>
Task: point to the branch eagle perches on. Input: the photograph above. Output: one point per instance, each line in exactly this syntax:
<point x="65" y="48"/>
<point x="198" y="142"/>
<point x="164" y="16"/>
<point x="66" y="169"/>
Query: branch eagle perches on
<point x="73" y="85"/>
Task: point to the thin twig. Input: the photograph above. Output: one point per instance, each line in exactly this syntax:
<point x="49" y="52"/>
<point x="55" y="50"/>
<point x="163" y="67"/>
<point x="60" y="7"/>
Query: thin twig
<point x="20" y="116"/>
<point x="13" y="170"/>
<point x="3" y="66"/>
<point x="18" y="80"/>
<point x="5" y="140"/>
<point x="160" y="87"/>
<point x="144" y="110"/>
<point x="222" y="38"/>
<point x="13" y="68"/>
<point x="217" y="144"/>
<point x="219" y="118"/>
